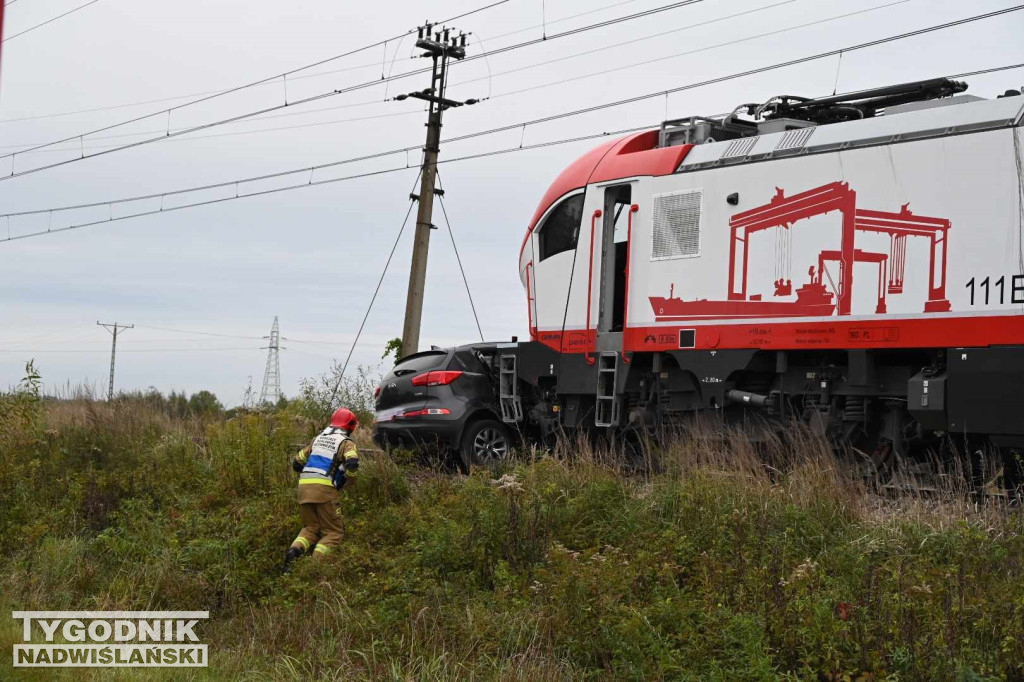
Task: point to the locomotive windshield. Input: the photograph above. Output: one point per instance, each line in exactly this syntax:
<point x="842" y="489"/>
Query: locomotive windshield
<point x="559" y="232"/>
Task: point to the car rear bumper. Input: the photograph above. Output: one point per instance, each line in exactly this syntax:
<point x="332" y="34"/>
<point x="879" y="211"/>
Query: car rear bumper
<point x="421" y="433"/>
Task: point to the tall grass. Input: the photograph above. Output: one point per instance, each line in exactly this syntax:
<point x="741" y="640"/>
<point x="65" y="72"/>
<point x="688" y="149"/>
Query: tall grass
<point x="722" y="557"/>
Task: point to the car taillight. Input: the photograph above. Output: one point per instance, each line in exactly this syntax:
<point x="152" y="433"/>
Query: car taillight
<point x="376" y="393"/>
<point x="423" y="413"/>
<point x="438" y="378"/>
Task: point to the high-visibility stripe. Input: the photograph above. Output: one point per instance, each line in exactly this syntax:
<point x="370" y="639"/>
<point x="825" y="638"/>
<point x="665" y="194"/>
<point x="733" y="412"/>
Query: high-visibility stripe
<point x="302" y="541"/>
<point x="321" y="481"/>
<point x="322" y="549"/>
<point x="319" y="463"/>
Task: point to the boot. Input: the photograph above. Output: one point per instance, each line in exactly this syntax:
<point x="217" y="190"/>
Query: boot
<point x="292" y="554"/>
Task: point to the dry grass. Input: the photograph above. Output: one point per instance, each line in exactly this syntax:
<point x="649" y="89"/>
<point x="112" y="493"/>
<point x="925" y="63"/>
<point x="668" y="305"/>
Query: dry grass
<point x="713" y="553"/>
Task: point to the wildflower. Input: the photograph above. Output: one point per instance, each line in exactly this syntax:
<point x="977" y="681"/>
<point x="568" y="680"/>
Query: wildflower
<point x="804" y="570"/>
<point x="507" y="482"/>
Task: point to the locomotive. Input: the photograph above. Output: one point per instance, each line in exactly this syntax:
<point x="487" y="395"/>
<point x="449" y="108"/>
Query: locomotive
<point x="855" y="261"/>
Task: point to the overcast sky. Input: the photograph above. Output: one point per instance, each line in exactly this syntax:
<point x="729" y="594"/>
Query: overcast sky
<point x="312" y="256"/>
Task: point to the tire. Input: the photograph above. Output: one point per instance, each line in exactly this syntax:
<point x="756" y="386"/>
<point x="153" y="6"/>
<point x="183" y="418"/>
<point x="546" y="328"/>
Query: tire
<point x="484" y="442"/>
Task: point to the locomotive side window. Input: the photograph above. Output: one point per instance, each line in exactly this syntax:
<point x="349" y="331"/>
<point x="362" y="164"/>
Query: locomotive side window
<point x="559" y="232"/>
<point x="676" y="225"/>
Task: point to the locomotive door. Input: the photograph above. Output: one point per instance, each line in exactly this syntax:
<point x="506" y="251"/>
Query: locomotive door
<point x="615" y="237"/>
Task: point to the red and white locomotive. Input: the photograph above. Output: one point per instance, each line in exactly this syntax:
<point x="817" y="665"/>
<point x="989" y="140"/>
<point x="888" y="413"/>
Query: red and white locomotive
<point x="857" y="258"/>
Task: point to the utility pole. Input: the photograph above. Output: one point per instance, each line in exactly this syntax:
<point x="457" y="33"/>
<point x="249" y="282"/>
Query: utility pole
<point x="113" y="329"/>
<point x="272" y="375"/>
<point x="441" y="46"/>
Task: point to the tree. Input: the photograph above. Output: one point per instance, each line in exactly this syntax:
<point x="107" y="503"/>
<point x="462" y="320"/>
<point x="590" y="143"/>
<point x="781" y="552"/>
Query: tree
<point x="177" y="405"/>
<point x="393" y="347"/>
<point x="204" y="403"/>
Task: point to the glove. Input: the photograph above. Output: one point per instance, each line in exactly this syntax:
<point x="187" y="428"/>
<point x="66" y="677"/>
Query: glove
<point x="351" y="464"/>
<point x="297" y="466"/>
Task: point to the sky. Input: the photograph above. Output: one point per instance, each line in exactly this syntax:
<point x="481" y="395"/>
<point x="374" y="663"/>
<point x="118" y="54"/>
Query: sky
<point x="312" y="257"/>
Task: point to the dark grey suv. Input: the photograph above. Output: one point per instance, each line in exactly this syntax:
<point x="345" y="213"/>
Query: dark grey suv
<point x="444" y="397"/>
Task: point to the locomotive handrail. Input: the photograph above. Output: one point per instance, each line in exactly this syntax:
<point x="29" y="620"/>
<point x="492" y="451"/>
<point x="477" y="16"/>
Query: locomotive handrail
<point x="625" y="303"/>
<point x="530" y="301"/>
<point x="590" y="283"/>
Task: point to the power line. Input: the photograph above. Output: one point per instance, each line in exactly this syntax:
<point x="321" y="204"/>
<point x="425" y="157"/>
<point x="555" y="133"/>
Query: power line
<point x="373" y="299"/>
<point x="563" y="19"/>
<point x="26" y="148"/>
<point x="385" y="171"/>
<point x="300" y="102"/>
<point x="333" y="180"/>
<point x="240" y="132"/>
<point x="524" y="68"/>
<point x="199" y="333"/>
<point x="514" y="126"/>
<point x="611" y="46"/>
<point x="128" y="350"/>
<point x="500" y="73"/>
<point x="313" y="75"/>
<point x="750" y="72"/>
<point x="458" y="259"/>
<point x="698" y="50"/>
<point x="583" y="29"/>
<point x="48" y="21"/>
<point x="127" y="105"/>
<point x="282" y="76"/>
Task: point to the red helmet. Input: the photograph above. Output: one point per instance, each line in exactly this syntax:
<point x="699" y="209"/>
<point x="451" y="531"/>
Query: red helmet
<point x="343" y="418"/>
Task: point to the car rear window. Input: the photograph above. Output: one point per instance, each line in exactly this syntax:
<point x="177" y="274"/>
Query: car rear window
<point x="420" y="362"/>
<point x="466" y="360"/>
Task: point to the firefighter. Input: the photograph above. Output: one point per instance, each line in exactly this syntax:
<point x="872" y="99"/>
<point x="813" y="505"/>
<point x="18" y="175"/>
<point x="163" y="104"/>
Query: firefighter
<point x="324" y="467"/>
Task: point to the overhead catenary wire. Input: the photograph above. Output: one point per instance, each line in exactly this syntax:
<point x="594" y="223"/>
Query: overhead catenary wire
<point x="357" y="67"/>
<point x="26" y="148"/>
<point x="385" y="171"/>
<point x="261" y="81"/>
<point x="686" y="53"/>
<point x="305" y="100"/>
<point x="199" y="333"/>
<point x="128" y="105"/>
<point x="106" y="351"/>
<point x="632" y="41"/>
<point x="236" y="133"/>
<point x="48" y="21"/>
<point x="402" y="150"/>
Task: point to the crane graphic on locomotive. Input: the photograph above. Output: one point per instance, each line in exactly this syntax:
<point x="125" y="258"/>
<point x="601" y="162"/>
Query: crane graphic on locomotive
<point x="855" y="261"/>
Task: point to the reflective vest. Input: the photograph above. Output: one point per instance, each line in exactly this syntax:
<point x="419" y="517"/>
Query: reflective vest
<point x="320" y="464"/>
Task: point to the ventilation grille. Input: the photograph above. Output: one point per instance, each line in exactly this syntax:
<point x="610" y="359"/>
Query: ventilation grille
<point x="740" y="147"/>
<point x="794" y="139"/>
<point x="676" y="225"/>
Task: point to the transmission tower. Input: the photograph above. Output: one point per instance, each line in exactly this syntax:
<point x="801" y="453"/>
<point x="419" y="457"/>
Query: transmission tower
<point x="272" y="375"/>
<point x="113" y="329"/>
